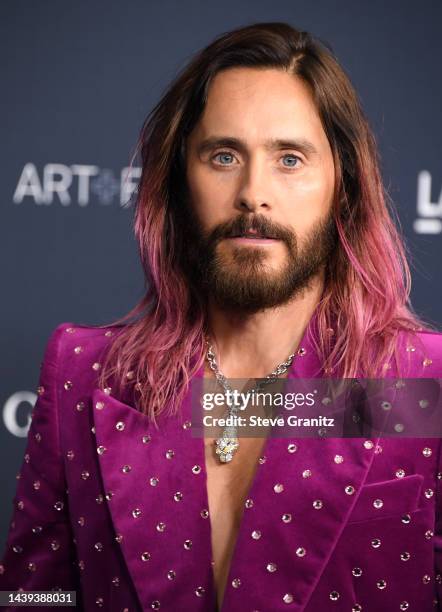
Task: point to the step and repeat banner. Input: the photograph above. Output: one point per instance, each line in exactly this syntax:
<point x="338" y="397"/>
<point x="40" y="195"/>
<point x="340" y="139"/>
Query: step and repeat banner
<point x="77" y="81"/>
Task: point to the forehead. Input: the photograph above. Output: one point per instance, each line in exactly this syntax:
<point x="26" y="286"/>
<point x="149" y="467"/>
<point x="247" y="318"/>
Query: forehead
<point x="260" y="103"/>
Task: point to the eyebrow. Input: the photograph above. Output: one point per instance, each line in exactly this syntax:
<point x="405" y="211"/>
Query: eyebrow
<point x="274" y="144"/>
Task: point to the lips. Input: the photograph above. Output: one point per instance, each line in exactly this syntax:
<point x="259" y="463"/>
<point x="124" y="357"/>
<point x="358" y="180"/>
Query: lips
<point x="252" y="235"/>
<point x="256" y="236"/>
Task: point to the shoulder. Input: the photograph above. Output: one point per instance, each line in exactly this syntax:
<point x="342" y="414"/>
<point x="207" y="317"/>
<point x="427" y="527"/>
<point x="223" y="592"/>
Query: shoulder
<point x="91" y="338"/>
<point x="432" y="339"/>
<point x="75" y="351"/>
<point x="422" y="350"/>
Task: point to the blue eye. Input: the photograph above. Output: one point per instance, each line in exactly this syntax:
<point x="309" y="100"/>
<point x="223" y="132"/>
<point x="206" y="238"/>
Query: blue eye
<point x="292" y="159"/>
<point x="224" y="158"/>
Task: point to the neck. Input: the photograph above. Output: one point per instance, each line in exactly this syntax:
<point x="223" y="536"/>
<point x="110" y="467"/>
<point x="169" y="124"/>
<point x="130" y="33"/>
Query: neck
<point x="252" y="346"/>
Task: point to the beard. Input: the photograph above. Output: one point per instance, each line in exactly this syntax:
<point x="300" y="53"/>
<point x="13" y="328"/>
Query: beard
<point x="243" y="279"/>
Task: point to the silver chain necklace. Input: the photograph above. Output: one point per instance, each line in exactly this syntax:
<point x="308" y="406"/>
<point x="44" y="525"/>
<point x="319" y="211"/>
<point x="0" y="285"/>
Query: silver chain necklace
<point x="227" y="445"/>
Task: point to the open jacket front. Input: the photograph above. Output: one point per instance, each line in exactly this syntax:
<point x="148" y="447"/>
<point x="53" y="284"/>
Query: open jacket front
<point x="103" y="508"/>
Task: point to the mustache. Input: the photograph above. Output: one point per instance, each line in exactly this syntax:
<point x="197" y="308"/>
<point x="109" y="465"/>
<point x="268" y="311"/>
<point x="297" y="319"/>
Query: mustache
<point x="259" y="224"/>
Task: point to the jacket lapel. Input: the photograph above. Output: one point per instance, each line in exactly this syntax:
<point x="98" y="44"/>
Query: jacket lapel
<point x="300" y="503"/>
<point x="314" y="484"/>
<point x="158" y="503"/>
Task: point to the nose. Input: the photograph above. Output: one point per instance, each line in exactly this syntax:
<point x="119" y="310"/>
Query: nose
<point x="253" y="194"/>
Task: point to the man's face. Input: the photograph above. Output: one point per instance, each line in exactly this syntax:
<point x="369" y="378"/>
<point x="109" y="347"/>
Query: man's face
<point x="258" y="163"/>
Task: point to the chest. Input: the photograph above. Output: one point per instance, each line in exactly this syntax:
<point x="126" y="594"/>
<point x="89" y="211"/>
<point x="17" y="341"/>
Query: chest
<point x="228" y="486"/>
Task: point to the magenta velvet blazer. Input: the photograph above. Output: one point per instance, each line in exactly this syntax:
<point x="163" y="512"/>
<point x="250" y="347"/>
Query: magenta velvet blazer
<point x="111" y="507"/>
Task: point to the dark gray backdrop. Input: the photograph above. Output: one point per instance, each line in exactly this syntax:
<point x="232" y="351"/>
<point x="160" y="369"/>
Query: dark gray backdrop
<point x="77" y="81"/>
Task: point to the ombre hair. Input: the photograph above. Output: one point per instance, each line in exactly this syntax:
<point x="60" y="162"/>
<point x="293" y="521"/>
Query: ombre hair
<point x="160" y="343"/>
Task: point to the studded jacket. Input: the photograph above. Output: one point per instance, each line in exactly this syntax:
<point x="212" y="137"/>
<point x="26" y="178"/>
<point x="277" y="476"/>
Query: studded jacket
<point x="116" y="509"/>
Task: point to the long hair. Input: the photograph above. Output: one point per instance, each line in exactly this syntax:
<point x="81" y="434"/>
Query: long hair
<point x="160" y="342"/>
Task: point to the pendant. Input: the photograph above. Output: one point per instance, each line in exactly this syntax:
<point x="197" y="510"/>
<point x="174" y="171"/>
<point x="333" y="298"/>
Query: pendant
<point x="227" y="445"/>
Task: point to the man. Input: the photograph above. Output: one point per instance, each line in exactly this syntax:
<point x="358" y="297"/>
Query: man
<point x="269" y="250"/>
